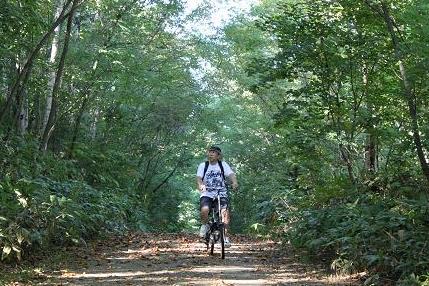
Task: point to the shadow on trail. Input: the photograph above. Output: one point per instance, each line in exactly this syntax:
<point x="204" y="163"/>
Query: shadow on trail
<point x="182" y="260"/>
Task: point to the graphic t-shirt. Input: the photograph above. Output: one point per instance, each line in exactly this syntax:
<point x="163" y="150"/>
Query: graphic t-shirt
<point x="213" y="179"/>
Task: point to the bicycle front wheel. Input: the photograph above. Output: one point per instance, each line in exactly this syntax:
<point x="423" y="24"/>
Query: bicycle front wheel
<point x="212" y="244"/>
<point x="222" y="241"/>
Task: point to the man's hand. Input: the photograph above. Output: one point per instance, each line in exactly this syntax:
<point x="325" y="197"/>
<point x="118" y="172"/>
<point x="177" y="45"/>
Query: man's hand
<point x="233" y="181"/>
<point x="202" y="188"/>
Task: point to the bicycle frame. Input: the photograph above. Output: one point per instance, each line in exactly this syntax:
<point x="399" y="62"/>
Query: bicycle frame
<point x="216" y="231"/>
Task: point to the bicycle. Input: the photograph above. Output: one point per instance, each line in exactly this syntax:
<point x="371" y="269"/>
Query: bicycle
<point x="216" y="232"/>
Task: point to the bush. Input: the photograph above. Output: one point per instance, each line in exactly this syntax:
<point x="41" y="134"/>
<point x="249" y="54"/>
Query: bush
<point x="42" y="212"/>
<point x="45" y="199"/>
<point x="386" y="237"/>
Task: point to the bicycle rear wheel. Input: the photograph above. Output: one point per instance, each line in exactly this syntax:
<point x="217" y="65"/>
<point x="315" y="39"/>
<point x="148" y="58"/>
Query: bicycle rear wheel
<point x="212" y="247"/>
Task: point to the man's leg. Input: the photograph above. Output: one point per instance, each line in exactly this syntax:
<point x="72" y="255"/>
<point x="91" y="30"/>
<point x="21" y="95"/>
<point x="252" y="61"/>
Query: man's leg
<point x="226" y="219"/>
<point x="204" y="215"/>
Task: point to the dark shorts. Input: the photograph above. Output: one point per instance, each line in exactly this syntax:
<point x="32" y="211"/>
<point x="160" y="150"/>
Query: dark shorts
<point x="207" y="201"/>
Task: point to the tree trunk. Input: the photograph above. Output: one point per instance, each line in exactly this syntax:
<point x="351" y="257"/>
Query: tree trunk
<point x="4" y="84"/>
<point x="23" y="114"/>
<point x="53" y="55"/>
<point x="345" y="155"/>
<point x="9" y="74"/>
<point x="370" y="145"/>
<point x="51" y="119"/>
<point x="93" y="127"/>
<point x="370" y="153"/>
<point x="24" y="73"/>
<point x="20" y="99"/>
<point x="165" y="180"/>
<point x="76" y="126"/>
<point x="406" y="88"/>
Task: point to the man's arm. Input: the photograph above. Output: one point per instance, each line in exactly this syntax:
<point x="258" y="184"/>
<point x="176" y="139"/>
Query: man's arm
<point x="200" y="184"/>
<point x="234" y="182"/>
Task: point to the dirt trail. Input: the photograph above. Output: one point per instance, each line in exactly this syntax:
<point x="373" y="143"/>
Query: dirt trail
<point x="172" y="259"/>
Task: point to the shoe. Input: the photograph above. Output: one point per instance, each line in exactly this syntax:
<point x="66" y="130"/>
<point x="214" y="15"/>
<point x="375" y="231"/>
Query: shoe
<point x="227" y="243"/>
<point x="203" y="230"/>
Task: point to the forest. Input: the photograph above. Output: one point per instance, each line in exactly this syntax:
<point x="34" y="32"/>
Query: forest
<point x="321" y="107"/>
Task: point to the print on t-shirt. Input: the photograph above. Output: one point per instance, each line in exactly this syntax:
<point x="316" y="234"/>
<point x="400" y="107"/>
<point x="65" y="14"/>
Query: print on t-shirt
<point x="213" y="179"/>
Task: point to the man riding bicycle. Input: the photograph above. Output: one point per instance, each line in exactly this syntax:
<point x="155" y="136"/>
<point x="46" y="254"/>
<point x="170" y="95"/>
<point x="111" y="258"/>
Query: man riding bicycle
<point x="211" y="179"/>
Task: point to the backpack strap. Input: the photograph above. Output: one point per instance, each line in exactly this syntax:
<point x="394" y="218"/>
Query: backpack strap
<point x="207" y="166"/>
<point x="221" y="169"/>
<point x="205" y="170"/>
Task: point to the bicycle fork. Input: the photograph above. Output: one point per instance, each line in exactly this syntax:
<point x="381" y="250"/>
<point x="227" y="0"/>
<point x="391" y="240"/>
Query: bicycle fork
<point x="216" y="226"/>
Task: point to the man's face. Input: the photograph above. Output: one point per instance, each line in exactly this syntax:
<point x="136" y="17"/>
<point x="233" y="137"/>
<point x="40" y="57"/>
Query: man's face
<point x="213" y="155"/>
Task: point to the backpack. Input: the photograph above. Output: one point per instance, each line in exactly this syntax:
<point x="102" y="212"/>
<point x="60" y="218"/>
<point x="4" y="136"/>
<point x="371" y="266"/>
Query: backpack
<point x="220" y="166"/>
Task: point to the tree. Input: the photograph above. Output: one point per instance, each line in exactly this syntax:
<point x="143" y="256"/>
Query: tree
<point x="382" y="9"/>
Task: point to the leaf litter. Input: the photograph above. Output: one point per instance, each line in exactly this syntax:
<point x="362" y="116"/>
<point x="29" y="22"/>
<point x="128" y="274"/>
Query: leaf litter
<point x="179" y="259"/>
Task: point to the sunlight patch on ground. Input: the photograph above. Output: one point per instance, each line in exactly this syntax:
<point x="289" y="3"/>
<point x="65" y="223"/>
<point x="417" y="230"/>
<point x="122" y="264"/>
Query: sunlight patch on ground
<point x="117" y="274"/>
<point x="222" y="269"/>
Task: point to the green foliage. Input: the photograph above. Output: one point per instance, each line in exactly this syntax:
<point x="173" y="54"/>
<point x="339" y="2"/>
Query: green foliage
<point x="123" y="118"/>
<point x="372" y="233"/>
<point x="38" y="210"/>
<point x="324" y="75"/>
<point x="49" y="201"/>
<point x="299" y="96"/>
